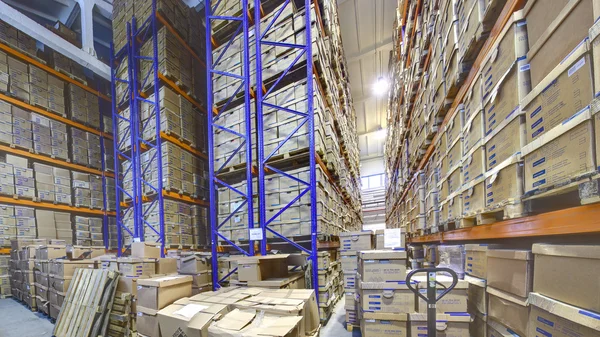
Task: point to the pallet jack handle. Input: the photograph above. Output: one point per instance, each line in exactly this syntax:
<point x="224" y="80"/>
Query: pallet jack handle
<point x="432" y="296"/>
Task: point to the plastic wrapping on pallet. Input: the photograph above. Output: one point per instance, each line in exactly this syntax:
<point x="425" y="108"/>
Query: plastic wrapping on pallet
<point x="452" y="257"/>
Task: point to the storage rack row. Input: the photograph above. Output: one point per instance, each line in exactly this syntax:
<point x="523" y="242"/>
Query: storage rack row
<point x="58" y="162"/>
<point x="144" y="89"/>
<point x="252" y="24"/>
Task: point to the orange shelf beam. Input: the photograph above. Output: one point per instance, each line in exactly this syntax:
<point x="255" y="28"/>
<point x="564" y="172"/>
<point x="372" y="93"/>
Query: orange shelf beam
<point x="185" y="198"/>
<point x="54" y="116"/>
<point x="570" y="221"/>
<point x="56" y="207"/>
<point x="46" y="68"/>
<point x="57" y="162"/>
<point x="4" y="251"/>
<point x="183" y="145"/>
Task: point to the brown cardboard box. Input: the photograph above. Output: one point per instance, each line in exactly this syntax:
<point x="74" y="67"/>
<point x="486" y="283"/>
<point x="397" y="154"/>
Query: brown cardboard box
<point x="64" y="268"/>
<point x="455" y="301"/>
<point x="495" y="329"/>
<point x="477" y="299"/>
<point x="311" y="310"/>
<point x="379" y="239"/>
<point x="145" y="250"/>
<point x="595" y="45"/>
<point x="258" y="268"/>
<point x="382" y="265"/>
<point x="86" y="252"/>
<point x="450" y="325"/>
<point x="559" y="35"/>
<point x="130" y="266"/>
<point x="549" y="317"/>
<point x="51" y="252"/>
<point x="508" y="309"/>
<point x="478" y="326"/>
<point x="356" y="241"/>
<point x="561" y="155"/>
<point x="506" y="140"/>
<point x="390" y="297"/>
<point x="504" y="184"/>
<point x="248" y="323"/>
<point x="147" y="322"/>
<point x="292" y="281"/>
<point x="194" y="264"/>
<point x="349" y="260"/>
<point x="568" y="273"/>
<point x="166" y="266"/>
<point x="476" y="260"/>
<point x="157" y="292"/>
<point x="188" y="317"/>
<point x="473" y="197"/>
<point x="381" y="324"/>
<point x="562" y="93"/>
<point x="276" y="306"/>
<point x="510" y="271"/>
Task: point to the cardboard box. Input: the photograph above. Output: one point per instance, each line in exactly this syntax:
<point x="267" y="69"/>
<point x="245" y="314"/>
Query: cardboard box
<point x="381" y="324"/>
<point x="258" y="268"/>
<point x="508" y="309"/>
<point x="549" y="317"/>
<point x="379" y="239"/>
<point x="556" y="29"/>
<point x="389" y="297"/>
<point x="476" y="260"/>
<point x="477" y="299"/>
<point x="275" y="306"/>
<point x="250" y="323"/>
<point x="157" y="292"/>
<point x="311" y="310"/>
<point x="166" y="266"/>
<point x="356" y="241"/>
<point x="194" y="264"/>
<point x="495" y="329"/>
<point x="562" y="155"/>
<point x="456" y="325"/>
<point x="595" y="45"/>
<point x="349" y="260"/>
<point x="293" y="281"/>
<point x="504" y="184"/>
<point x="145" y="250"/>
<point x="454" y="302"/>
<point x="188" y="317"/>
<point x="510" y="271"/>
<point x="147" y="322"/>
<point x="51" y="252"/>
<point x="383" y="265"/>
<point x="478" y="326"/>
<point x="575" y="279"/>
<point x="129" y="266"/>
<point x="507" y="140"/>
<point x="562" y="93"/>
<point x="66" y="268"/>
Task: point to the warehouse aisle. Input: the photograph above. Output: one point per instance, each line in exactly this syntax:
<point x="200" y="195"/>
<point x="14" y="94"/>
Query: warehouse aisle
<point x="336" y="326"/>
<point x="18" y="321"/>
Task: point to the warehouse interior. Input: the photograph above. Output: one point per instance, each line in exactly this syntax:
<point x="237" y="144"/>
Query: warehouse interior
<point x="299" y="168"/>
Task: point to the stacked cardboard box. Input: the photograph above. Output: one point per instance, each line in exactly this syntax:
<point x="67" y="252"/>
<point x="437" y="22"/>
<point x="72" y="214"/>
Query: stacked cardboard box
<point x="53" y="184"/>
<point x="44" y="290"/>
<point x="5" y="290"/>
<point x="87" y="190"/>
<point x="476" y="270"/>
<point x="509" y="282"/>
<point x="85" y="148"/>
<point x="177" y="223"/>
<point x="200" y="226"/>
<point x="16" y="222"/>
<point x="87" y="231"/>
<point x="351" y="243"/>
<point x="65" y="65"/>
<point x="19" y="81"/>
<point x="22" y="135"/>
<point x="60" y="274"/>
<point x="8" y="34"/>
<point x="382" y="274"/>
<point x="83" y="106"/>
<point x="199" y="267"/>
<point x="330" y="281"/>
<point x="49" y="137"/>
<point x="4" y="76"/>
<point x="23" y="253"/>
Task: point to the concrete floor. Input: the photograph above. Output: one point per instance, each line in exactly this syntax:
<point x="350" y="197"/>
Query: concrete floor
<point x="336" y="327"/>
<point x="16" y="320"/>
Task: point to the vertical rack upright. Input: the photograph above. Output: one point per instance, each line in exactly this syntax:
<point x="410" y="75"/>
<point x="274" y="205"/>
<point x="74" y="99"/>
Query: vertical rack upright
<point x="263" y="95"/>
<point x="214" y="124"/>
<point x="124" y="148"/>
<point x="148" y="29"/>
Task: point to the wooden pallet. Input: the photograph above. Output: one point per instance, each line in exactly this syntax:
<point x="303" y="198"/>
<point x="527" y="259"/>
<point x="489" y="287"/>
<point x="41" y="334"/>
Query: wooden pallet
<point x="87" y="305"/>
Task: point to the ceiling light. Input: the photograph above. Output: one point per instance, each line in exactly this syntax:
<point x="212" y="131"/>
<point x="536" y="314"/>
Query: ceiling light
<point x="381" y="86"/>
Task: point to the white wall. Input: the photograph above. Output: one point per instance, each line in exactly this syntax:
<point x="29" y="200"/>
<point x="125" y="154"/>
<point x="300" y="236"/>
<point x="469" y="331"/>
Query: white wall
<point x="371" y="166"/>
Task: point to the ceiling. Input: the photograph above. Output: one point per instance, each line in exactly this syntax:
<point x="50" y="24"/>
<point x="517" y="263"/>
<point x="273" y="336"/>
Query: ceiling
<point x="367" y="27"/>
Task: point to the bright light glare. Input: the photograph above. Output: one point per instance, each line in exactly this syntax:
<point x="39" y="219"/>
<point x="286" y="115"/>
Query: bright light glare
<point x="381" y="86"/>
<point x="380" y="134"/>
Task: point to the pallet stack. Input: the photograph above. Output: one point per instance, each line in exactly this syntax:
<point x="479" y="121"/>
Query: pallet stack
<point x="331" y="283"/>
<point x="184" y="171"/>
<point x="5" y="289"/>
<point x="338" y="188"/>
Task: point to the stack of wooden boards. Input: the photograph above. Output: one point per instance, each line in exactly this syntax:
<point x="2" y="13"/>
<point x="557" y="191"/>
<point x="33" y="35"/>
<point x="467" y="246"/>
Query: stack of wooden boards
<point x="87" y="306"/>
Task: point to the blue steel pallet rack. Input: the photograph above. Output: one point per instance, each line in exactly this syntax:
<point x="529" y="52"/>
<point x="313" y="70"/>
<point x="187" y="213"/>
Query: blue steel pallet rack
<point x="213" y="123"/>
<point x="137" y="34"/>
<point x="262" y="93"/>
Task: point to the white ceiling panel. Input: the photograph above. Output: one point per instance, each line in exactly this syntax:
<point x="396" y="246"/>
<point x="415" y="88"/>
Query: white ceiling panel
<point x="367" y="27"/>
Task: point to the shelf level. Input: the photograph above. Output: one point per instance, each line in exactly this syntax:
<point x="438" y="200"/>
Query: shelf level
<point x="180" y="91"/>
<point x="51" y="206"/>
<point x="50" y="70"/>
<point x="56" y="162"/>
<point x="162" y="20"/>
<point x="570" y="221"/>
<point x="53" y="116"/>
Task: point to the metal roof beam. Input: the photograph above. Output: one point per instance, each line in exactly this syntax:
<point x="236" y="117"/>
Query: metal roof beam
<point x="22" y="22"/>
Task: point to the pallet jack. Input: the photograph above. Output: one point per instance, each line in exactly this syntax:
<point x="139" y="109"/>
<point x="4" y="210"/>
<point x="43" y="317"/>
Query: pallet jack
<point x="432" y="297"/>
